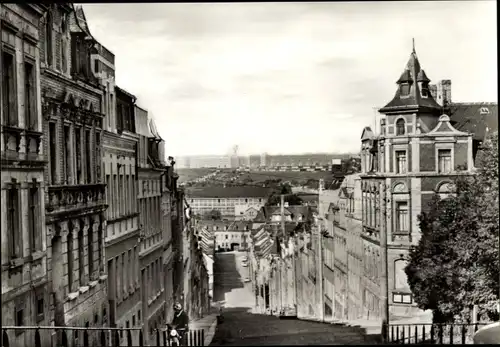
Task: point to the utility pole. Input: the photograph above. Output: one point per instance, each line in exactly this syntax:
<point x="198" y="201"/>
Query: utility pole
<point x="384" y="284"/>
<point x="284" y="287"/>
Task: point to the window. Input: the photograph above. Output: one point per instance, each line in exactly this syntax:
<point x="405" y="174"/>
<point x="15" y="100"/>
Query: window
<point x="48" y="39"/>
<point x="96" y="66"/>
<point x="34" y="223"/>
<point x="81" y="254"/>
<point x="133" y="320"/>
<point x="405" y="89"/>
<point x="9" y="93"/>
<point x="400" y="162"/>
<point x="78" y="149"/>
<point x="39" y="307"/>
<point x="227" y="236"/>
<point x="130" y="270"/>
<point x="444" y="160"/>
<point x="484" y="110"/>
<point x="139" y="315"/>
<point x="400" y="127"/>
<point x="402" y="298"/>
<point x="401" y="216"/>
<point x="109" y="193"/>
<point x="88" y="154"/>
<point x="67" y="154"/>
<point x="53" y="153"/>
<point x="20" y="313"/>
<point x="124" y="274"/>
<point x="13" y="221"/>
<point x="424" y="90"/>
<point x="30" y="96"/>
<point x="71" y="260"/>
<point x="90" y="247"/>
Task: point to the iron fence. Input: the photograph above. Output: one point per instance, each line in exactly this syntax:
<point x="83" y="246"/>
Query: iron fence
<point x="447" y="333"/>
<point x="51" y="336"/>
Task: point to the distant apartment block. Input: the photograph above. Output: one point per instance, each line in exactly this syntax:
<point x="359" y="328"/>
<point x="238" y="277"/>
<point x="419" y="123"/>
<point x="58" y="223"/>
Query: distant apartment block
<point x="226" y="199"/>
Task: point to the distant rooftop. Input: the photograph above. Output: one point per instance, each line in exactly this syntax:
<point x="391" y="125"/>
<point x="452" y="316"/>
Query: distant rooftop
<point x="228" y="192"/>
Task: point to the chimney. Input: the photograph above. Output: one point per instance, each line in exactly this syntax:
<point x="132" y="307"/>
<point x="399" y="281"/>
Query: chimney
<point x="441" y="92"/>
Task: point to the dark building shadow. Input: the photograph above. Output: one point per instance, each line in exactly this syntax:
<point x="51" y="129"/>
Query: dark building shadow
<point x="226" y="275"/>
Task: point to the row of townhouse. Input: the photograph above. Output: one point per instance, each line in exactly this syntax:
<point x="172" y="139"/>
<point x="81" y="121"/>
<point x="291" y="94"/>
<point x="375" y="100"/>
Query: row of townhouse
<point x="233" y="202"/>
<point x="425" y="141"/>
<point x="93" y="224"/>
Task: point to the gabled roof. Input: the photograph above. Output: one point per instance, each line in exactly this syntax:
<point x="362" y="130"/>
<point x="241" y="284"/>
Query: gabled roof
<point x="367" y="133"/>
<point x="478" y="118"/>
<point x="412" y="74"/>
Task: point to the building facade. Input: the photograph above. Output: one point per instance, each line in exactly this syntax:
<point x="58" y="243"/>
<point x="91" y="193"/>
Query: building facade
<point x="228" y="200"/>
<point x="25" y="288"/>
<point x="75" y="199"/>
<point x="155" y="228"/>
<point x="418" y="154"/>
<point x="232" y="236"/>
<point x="123" y="228"/>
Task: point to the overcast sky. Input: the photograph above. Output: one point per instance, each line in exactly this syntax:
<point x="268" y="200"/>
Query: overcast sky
<point x="288" y="77"/>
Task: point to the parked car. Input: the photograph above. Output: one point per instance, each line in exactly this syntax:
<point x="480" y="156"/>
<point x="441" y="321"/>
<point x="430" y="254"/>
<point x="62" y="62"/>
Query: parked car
<point x="246" y="280"/>
<point x="244" y="264"/>
<point x="244" y="259"/>
<point x="489" y="334"/>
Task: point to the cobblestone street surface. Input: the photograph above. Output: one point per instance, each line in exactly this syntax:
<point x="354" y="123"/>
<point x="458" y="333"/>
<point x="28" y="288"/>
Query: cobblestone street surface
<point x="242" y="328"/>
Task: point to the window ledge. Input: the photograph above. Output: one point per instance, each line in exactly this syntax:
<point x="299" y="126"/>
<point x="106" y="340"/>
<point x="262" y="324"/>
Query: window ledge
<point x="102" y="278"/>
<point x="73" y="296"/>
<point x="92" y="284"/>
<point x="84" y="289"/>
<point x="37" y="255"/>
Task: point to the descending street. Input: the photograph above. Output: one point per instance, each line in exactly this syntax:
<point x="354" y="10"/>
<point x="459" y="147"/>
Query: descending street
<point x="242" y="328"/>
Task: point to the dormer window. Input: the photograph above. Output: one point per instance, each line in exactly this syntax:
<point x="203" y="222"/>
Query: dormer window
<point x="405" y="89"/>
<point x="400" y="127"/>
<point x="424" y="90"/>
<point x="484" y="110"/>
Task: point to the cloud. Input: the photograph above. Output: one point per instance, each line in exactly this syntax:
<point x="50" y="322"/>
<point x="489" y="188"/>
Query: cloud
<point x="292" y="77"/>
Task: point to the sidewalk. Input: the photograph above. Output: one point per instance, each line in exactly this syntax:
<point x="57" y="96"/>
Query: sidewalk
<point x="208" y="324"/>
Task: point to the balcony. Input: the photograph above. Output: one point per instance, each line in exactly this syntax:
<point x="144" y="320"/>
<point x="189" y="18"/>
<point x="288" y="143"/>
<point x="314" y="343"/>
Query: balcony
<point x="71" y="198"/>
<point x="14" y="153"/>
<point x="45" y="336"/>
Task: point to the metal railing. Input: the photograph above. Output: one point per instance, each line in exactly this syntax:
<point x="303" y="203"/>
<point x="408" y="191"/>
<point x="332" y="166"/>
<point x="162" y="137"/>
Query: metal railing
<point x="51" y="336"/>
<point x="446" y="333"/>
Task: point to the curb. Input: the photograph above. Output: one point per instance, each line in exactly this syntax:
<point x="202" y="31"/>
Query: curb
<point x="210" y="334"/>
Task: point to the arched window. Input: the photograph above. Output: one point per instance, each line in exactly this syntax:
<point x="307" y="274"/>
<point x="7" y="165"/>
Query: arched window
<point x="400" y="127"/>
<point x="445" y="190"/>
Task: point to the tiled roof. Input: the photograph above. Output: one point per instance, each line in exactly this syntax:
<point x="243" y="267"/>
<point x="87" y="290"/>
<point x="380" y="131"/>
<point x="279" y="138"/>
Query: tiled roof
<point x="414" y="100"/>
<point x="266" y="212"/>
<point x="228" y="192"/>
<point x="477" y="118"/>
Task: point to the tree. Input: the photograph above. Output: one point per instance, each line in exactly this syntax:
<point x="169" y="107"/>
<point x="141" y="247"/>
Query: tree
<point x="455" y="264"/>
<point x="290" y="198"/>
<point x="214" y="215"/>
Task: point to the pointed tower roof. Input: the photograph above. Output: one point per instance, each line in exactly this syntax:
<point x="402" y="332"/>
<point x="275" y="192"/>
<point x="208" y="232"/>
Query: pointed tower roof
<point x="413" y="101"/>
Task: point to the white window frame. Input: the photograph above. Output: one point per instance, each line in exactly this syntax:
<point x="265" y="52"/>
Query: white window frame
<point x="400" y="148"/>
<point x="440" y="146"/>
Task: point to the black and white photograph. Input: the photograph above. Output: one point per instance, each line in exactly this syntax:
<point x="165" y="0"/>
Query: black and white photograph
<point x="249" y="173"/>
